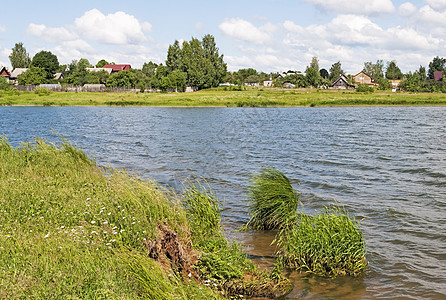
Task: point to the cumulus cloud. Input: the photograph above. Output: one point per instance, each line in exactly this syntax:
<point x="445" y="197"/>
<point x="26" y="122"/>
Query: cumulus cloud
<point x="118" y="28"/>
<point x="245" y="31"/>
<point x="407" y="9"/>
<point x="51" y="34"/>
<point x="439" y="5"/>
<point x="355" y="7"/>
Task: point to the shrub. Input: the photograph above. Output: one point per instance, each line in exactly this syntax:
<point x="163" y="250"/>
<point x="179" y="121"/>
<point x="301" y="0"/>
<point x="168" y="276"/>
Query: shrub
<point x="273" y="201"/>
<point x="328" y="244"/>
<point x="42" y="91"/>
<point x="362" y="88"/>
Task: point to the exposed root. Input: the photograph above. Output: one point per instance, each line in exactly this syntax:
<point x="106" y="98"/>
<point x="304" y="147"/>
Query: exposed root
<point x="172" y="252"/>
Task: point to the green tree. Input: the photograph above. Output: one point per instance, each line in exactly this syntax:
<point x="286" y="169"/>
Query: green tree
<point x="83" y="63"/>
<point x="312" y="73"/>
<point x="393" y="71"/>
<point x="123" y="79"/>
<point x="216" y="67"/>
<point x="101" y="63"/>
<point x="4" y="84"/>
<point x="34" y="75"/>
<point x="149" y="68"/>
<point x="173" y="57"/>
<point x="18" y="57"/>
<point x="335" y="71"/>
<point x="324" y="73"/>
<point x="374" y="69"/>
<point x="47" y="61"/>
<point x="437" y="64"/>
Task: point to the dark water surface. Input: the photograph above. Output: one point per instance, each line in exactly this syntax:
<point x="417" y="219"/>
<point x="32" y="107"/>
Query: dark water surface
<point x="387" y="165"/>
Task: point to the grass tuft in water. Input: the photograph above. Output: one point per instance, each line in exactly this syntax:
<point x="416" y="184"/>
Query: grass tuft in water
<point x="327" y="244"/>
<point x="273" y="201"/>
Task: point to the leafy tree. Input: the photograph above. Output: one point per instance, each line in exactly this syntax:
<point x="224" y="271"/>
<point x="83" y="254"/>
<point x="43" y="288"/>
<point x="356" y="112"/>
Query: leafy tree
<point x="200" y="60"/>
<point x="437" y="64"/>
<point x="4" y="84"/>
<point x="161" y="71"/>
<point x="47" y="61"/>
<point x="374" y="69"/>
<point x="101" y="63"/>
<point x="393" y="71"/>
<point x="173" y="56"/>
<point x="178" y="80"/>
<point x="324" y="73"/>
<point x="84" y="63"/>
<point x="123" y="79"/>
<point x="312" y="73"/>
<point x="335" y="71"/>
<point x="253" y="79"/>
<point x="149" y="68"/>
<point x="422" y="72"/>
<point x="34" y="75"/>
<point x="18" y="57"/>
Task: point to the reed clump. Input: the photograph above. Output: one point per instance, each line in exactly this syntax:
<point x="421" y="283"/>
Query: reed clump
<point x="273" y="201"/>
<point x="328" y="244"/>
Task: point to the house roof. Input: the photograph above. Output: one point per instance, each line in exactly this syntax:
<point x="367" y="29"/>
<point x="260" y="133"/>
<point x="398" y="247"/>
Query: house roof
<point x="438" y="75"/>
<point x="108" y="70"/>
<point x="117" y="68"/>
<point x="17" y="71"/>
<point x="4" y="72"/>
<point x="363" y="73"/>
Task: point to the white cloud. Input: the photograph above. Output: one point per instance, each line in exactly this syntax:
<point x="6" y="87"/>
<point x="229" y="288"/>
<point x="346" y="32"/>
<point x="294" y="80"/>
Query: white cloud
<point x="407" y="9"/>
<point x="2" y="29"/>
<point x="366" y="7"/>
<point x="245" y="31"/>
<point x="429" y="16"/>
<point x="118" y="28"/>
<point x="439" y="5"/>
<point x="51" y="34"/>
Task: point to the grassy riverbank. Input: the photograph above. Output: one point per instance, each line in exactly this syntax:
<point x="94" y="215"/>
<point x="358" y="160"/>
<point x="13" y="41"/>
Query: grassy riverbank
<point x="69" y="229"/>
<point x="218" y="97"/>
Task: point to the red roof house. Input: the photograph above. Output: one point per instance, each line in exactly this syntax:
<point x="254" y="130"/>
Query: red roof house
<point x="117" y="68"/>
<point x="5" y="73"/>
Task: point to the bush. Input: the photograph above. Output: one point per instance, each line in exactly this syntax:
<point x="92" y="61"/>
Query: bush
<point x="327" y="244"/>
<point x="42" y="91"/>
<point x="273" y="201"/>
<point x="362" y="88"/>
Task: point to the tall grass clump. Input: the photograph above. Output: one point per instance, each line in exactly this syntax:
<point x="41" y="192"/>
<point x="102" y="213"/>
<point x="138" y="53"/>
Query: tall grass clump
<point x="327" y="244"/>
<point x="220" y="263"/>
<point x="273" y="201"/>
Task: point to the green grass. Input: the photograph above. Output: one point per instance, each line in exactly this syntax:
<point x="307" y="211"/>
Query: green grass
<point x="72" y="230"/>
<point x="273" y="201"/>
<point x="267" y="97"/>
<point x="328" y="244"/>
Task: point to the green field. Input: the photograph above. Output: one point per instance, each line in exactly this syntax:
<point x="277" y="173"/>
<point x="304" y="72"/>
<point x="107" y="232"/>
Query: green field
<point x="267" y="97"/>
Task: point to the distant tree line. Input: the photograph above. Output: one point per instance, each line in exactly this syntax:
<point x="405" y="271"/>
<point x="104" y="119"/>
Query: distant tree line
<point x="197" y="63"/>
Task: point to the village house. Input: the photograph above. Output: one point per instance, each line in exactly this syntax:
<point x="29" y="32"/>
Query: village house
<point x="268" y="83"/>
<point x="117" y="68"/>
<point x="342" y="83"/>
<point x="438" y="75"/>
<point x="15" y="74"/>
<point x="5" y="73"/>
<point x="364" y="78"/>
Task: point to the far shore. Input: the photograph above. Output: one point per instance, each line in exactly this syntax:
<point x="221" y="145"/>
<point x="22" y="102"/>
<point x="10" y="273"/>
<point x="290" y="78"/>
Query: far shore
<point x="261" y="97"/>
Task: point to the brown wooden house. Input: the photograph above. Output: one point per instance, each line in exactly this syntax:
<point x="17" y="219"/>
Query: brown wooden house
<point x="364" y="78"/>
<point x="342" y="83"/>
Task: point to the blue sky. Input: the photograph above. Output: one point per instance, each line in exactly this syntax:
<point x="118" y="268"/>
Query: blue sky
<point x="268" y="35"/>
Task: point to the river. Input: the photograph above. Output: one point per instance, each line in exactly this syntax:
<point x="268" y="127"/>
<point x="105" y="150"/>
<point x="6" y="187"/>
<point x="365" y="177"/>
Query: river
<point x="387" y="165"/>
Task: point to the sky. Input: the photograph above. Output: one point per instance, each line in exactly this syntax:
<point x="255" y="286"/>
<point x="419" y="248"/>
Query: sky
<point x="267" y="35"/>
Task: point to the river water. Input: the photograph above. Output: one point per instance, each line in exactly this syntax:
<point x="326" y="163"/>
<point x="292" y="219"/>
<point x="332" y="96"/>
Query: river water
<point x="386" y="165"/>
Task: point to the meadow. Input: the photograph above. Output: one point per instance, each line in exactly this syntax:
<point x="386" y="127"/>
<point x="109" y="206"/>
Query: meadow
<point x="251" y="97"/>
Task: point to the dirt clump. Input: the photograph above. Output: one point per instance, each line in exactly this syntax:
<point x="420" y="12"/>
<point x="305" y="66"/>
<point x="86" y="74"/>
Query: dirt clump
<point x="173" y="252"/>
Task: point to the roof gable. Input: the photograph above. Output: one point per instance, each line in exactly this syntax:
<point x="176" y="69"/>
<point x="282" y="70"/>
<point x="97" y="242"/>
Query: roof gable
<point x="4" y="72"/>
<point x="117" y="68"/>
